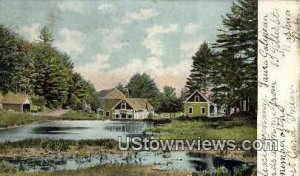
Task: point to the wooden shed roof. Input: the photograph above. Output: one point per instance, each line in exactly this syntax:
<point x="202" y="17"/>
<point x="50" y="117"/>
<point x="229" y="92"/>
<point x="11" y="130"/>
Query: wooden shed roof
<point x="11" y="98"/>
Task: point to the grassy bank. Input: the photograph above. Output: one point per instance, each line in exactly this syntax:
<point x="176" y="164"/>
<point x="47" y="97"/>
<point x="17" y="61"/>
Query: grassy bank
<point x="9" y="119"/>
<point x="78" y="115"/>
<point x="236" y="128"/>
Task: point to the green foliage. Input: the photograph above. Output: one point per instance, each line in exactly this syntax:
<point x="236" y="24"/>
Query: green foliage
<point x="230" y="71"/>
<point x="143" y="86"/>
<point x="236" y="62"/>
<point x="200" y="72"/>
<point x="40" y="70"/>
<point x="169" y="102"/>
<point x="6" y="168"/>
<point x="15" y="66"/>
<point x="236" y="129"/>
<point x="38" y="101"/>
<point x="46" y="36"/>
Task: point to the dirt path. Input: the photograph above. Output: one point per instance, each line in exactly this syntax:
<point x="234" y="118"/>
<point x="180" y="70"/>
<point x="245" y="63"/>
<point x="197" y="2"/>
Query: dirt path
<point x="55" y="113"/>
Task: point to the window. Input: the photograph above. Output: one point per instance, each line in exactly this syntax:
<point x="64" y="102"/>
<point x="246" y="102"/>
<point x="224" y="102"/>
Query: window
<point x="117" y="116"/>
<point x="129" y="116"/>
<point x="107" y="113"/>
<point x="197" y="99"/>
<point x="123" y="105"/>
<point x="190" y="110"/>
<point x="203" y="110"/>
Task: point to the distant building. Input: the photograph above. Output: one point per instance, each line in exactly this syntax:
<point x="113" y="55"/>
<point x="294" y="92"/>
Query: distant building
<point x="198" y="105"/>
<point x="117" y="106"/>
<point x="16" y="102"/>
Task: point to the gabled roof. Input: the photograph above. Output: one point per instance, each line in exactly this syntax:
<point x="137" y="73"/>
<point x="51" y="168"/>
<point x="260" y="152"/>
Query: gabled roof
<point x="115" y="94"/>
<point x="137" y="103"/>
<point x="197" y="91"/>
<point x="11" y="98"/>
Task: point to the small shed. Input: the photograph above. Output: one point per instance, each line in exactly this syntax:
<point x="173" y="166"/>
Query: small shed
<point x="16" y="102"/>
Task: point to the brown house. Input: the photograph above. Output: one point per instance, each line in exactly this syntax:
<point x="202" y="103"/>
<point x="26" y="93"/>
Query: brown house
<point x="118" y="106"/>
<point x="16" y="102"/>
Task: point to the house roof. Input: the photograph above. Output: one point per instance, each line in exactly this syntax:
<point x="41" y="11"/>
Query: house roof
<point x="11" y="98"/>
<point x="197" y="91"/>
<point x="137" y="103"/>
<point x="110" y="104"/>
<point x="115" y="94"/>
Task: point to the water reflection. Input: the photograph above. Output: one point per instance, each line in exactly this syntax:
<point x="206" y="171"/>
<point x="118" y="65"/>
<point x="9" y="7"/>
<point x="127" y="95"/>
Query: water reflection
<point x="183" y="161"/>
<point x="76" y="130"/>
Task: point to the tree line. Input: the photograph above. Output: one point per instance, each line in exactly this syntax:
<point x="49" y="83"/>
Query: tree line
<point x="141" y="85"/>
<point x="226" y="70"/>
<point x="43" y="72"/>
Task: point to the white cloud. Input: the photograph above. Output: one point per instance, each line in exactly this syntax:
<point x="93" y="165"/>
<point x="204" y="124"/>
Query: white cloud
<point x="152" y="42"/>
<point x="100" y="72"/>
<point x="31" y="32"/>
<point x="73" y="6"/>
<point x="106" y="7"/>
<point x="189" y="47"/>
<point x="191" y="28"/>
<point x="112" y="39"/>
<point x="103" y="78"/>
<point x="143" y="14"/>
<point x="100" y="62"/>
<point x="70" y="41"/>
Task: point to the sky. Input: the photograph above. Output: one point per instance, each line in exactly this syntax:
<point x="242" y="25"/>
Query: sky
<point x="110" y="41"/>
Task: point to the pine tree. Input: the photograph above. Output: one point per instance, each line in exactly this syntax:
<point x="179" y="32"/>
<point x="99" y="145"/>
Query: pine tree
<point x="199" y="76"/>
<point x="14" y="64"/>
<point x="46" y="36"/>
<point x="237" y="43"/>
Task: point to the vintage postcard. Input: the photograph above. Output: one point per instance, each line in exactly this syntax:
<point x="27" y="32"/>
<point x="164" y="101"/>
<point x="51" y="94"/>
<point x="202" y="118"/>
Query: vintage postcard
<point x="149" y="87"/>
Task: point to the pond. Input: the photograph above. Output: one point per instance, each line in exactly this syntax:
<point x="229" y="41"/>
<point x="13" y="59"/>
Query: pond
<point x="76" y="130"/>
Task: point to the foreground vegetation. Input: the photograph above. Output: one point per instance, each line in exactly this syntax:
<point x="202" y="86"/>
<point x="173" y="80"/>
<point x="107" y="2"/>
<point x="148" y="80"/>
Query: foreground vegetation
<point x="107" y="170"/>
<point x="120" y="169"/>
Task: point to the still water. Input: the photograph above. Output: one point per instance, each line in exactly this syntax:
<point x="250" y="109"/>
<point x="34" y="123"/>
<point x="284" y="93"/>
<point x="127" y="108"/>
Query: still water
<point x="77" y="130"/>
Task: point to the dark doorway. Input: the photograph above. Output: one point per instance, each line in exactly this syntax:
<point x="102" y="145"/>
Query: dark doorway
<point x="211" y="109"/>
<point x="26" y="108"/>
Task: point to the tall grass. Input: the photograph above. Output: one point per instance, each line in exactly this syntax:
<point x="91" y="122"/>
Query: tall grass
<point x="236" y="129"/>
<point x="59" y="145"/>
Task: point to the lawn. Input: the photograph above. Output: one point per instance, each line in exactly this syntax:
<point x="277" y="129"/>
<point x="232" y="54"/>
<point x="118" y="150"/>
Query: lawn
<point x="8" y="119"/>
<point x="237" y="129"/>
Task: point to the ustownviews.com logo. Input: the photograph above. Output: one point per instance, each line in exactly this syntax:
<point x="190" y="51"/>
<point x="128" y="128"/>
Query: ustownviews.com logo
<point x="151" y="144"/>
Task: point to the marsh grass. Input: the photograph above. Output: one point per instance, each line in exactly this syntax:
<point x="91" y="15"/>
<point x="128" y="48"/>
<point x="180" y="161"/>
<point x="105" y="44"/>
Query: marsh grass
<point x="58" y="145"/>
<point x="236" y="128"/>
<point x="106" y="170"/>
